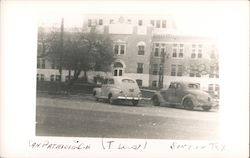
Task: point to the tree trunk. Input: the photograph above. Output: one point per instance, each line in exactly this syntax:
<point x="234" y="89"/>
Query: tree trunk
<point x="72" y="80"/>
<point x="85" y="77"/>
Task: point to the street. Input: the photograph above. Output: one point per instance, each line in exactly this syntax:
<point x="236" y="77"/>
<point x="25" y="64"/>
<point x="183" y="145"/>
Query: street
<point x="82" y="116"/>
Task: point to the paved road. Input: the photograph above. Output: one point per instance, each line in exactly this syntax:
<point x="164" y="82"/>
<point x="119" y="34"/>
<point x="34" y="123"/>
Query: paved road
<point x="82" y="116"/>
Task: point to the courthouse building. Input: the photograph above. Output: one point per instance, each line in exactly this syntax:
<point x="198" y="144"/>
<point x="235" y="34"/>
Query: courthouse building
<point x="149" y="49"/>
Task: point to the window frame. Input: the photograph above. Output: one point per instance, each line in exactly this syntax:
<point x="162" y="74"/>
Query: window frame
<point x="121" y="48"/>
<point x="140" y="68"/>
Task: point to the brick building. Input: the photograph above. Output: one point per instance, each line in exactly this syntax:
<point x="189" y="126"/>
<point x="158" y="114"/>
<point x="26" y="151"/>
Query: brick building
<point x="149" y="49"/>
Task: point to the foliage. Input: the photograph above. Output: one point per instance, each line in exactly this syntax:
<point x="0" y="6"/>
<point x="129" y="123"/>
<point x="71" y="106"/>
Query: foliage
<point x="77" y="51"/>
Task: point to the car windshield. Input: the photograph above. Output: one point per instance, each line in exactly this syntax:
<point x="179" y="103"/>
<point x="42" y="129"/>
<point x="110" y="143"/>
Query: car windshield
<point x="127" y="81"/>
<point x="193" y="86"/>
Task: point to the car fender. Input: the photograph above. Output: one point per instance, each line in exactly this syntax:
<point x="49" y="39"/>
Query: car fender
<point x="160" y="97"/>
<point x="97" y="92"/>
<point x="114" y="91"/>
<point x="190" y="96"/>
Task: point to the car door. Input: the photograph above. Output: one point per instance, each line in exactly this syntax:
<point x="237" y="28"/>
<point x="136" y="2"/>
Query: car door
<point x="109" y="87"/>
<point x="104" y="88"/>
<point x="169" y="94"/>
<point x="179" y="93"/>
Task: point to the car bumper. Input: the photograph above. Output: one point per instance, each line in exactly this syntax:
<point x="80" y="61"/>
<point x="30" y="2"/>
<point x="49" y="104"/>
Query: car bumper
<point x="128" y="98"/>
<point x="202" y="104"/>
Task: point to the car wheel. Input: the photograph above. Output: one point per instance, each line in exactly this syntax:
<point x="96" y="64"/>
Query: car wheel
<point x="94" y="94"/>
<point x="111" y="101"/>
<point x="206" y="108"/>
<point x="135" y="102"/>
<point x="188" y="104"/>
<point x="156" y="101"/>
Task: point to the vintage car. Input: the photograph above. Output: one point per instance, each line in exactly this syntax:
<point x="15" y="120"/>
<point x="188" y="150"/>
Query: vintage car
<point x="118" y="88"/>
<point x="185" y="94"/>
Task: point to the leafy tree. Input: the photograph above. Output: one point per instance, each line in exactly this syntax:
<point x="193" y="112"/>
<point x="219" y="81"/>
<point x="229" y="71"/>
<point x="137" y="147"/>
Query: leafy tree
<point x="77" y="51"/>
<point x="199" y="67"/>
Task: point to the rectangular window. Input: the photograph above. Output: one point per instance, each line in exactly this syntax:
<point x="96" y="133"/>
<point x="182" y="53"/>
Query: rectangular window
<point x="199" y="55"/>
<point x="140" y="22"/>
<point x="115" y="73"/>
<point x="210" y="87"/>
<point x="173" y="70"/>
<point x="42" y="77"/>
<point x="158" y="23"/>
<point x="119" y="49"/>
<point x="181" y="53"/>
<point x="160" y="69"/>
<point x="174" y="53"/>
<point x="43" y="63"/>
<point x="89" y="22"/>
<point x="120" y="72"/>
<point x="152" y="22"/>
<point x="53" y="65"/>
<point x="116" y="50"/>
<point x="141" y="50"/>
<point x="217" y="87"/>
<point x="191" y="74"/>
<point x="179" y="72"/>
<point x="154" y="83"/>
<point x="162" y="50"/>
<point x="155" y="69"/>
<point x="100" y="22"/>
<point x="193" y="55"/>
<point x="38" y="63"/>
<point x="122" y="49"/>
<point x="164" y="23"/>
<point x="140" y="68"/>
<point x="139" y="82"/>
<point x="52" y="78"/>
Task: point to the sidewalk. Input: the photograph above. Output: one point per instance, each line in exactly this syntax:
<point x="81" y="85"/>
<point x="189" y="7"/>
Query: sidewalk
<point x="81" y="96"/>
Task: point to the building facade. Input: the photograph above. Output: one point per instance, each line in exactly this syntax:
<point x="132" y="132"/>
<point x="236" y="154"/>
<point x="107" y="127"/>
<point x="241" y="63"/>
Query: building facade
<point x="150" y="50"/>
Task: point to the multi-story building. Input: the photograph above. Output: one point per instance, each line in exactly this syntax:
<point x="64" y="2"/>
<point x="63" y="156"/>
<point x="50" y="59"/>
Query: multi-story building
<point x="150" y="50"/>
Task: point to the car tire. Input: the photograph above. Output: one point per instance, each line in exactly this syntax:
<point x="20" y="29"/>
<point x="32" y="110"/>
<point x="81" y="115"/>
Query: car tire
<point x="135" y="102"/>
<point x="156" y="101"/>
<point x="188" y="104"/>
<point x="206" y="108"/>
<point x="94" y="94"/>
<point x="111" y="101"/>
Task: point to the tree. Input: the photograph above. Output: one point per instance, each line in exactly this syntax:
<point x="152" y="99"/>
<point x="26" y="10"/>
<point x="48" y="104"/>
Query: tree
<point x="201" y="67"/>
<point x="80" y="51"/>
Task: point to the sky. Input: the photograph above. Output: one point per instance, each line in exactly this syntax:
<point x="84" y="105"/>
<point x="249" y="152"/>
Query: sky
<point x="201" y="17"/>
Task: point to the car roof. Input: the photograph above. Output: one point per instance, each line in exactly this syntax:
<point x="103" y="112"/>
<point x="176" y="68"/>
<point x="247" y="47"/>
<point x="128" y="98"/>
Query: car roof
<point x="184" y="82"/>
<point x="119" y="77"/>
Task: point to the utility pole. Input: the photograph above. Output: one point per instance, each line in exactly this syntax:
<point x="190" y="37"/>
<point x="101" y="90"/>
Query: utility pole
<point x="61" y="49"/>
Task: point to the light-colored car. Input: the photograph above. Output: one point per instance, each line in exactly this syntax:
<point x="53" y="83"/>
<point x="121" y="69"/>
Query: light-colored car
<point x="118" y="88"/>
<point x="185" y="94"/>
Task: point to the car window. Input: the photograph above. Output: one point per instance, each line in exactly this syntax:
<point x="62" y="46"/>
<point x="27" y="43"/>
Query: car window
<point x="194" y="86"/>
<point x="127" y="81"/>
<point x="172" y="86"/>
<point x="178" y="86"/>
<point x="105" y="81"/>
<point x="111" y="81"/>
